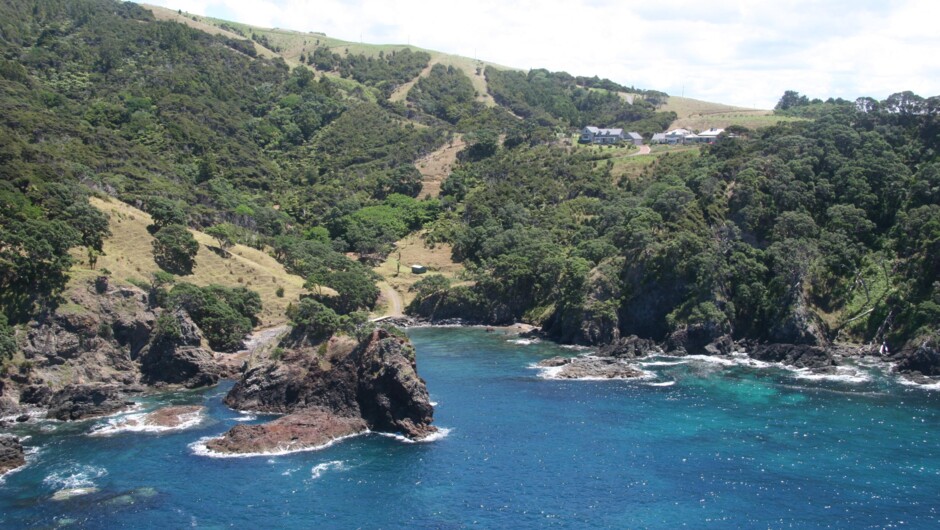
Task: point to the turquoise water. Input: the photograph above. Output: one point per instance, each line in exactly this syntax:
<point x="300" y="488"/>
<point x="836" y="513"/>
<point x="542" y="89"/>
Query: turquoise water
<point x="722" y="446"/>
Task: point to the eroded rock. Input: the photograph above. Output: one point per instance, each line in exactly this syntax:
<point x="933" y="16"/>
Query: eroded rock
<point x="305" y="429"/>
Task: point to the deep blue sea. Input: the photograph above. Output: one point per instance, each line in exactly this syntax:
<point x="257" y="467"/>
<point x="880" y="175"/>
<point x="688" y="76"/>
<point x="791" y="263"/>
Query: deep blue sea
<point x="698" y="444"/>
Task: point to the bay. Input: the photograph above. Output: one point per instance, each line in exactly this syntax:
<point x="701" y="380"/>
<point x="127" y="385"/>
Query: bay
<point x="699" y="443"/>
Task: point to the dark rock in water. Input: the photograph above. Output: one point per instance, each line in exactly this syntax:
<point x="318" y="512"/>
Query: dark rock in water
<point x="799" y="355"/>
<point x="374" y="380"/>
<point x="630" y="347"/>
<point x="77" y="402"/>
<point x="922" y="356"/>
<point x="180" y="360"/>
<point x="590" y="368"/>
<point x="390" y="394"/>
<point x="304" y="429"/>
<point x="11" y="454"/>
<point x="22" y="418"/>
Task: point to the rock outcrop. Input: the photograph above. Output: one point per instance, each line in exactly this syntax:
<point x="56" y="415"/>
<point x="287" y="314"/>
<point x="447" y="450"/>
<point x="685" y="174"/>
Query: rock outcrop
<point x="799" y="355"/>
<point x="630" y="347"/>
<point x="921" y="356"/>
<point x="102" y="338"/>
<point x="346" y="387"/>
<point x="180" y="359"/>
<point x="11" y="454"/>
<point x="79" y="402"/>
<point x="305" y="429"/>
<point x="589" y="368"/>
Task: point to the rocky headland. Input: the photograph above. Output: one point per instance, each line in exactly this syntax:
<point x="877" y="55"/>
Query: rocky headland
<point x="329" y="390"/>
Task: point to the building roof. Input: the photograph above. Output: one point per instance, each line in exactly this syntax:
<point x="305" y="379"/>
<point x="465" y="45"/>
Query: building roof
<point x="678" y="132"/>
<point x="659" y="136"/>
<point x="604" y="132"/>
<point x="711" y="133"/>
<point x="634" y="135"/>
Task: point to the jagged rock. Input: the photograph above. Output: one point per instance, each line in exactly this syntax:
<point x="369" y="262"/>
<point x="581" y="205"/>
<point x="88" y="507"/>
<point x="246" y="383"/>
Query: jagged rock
<point x="799" y="355"/>
<point x="304" y="429"/>
<point x="11" y="454"/>
<point x="374" y="381"/>
<point x="709" y="338"/>
<point x="630" y="347"/>
<point x="77" y="402"/>
<point x="390" y="394"/>
<point x="303" y="377"/>
<point x="921" y="356"/>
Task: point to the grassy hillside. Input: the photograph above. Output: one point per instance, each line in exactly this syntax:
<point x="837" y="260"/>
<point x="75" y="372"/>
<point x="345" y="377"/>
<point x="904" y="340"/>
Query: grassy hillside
<point x="128" y="255"/>
<point x="699" y="115"/>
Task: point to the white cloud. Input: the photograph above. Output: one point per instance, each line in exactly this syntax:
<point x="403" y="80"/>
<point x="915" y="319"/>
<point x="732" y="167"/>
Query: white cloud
<point x="740" y="52"/>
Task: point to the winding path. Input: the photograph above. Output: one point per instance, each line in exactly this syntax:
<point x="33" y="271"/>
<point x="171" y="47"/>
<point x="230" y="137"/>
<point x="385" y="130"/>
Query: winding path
<point x="394" y="305"/>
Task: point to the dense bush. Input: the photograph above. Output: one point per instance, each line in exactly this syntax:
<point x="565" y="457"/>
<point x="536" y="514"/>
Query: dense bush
<point x="225" y="315"/>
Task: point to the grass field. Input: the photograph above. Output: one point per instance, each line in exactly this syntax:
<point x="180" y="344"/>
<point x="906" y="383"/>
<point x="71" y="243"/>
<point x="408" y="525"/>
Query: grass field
<point x="699" y="115"/>
<point x="128" y="255"/>
<point x="413" y="252"/>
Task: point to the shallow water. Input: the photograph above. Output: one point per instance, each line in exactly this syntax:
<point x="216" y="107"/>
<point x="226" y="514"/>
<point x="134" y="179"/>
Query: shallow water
<point x="721" y="446"/>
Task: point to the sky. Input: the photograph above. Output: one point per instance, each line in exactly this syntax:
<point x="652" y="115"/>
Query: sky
<point x="738" y="52"/>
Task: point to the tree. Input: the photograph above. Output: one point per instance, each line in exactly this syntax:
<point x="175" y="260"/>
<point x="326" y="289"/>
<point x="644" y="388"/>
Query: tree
<point x="355" y="290"/>
<point x="790" y="99"/>
<point x="165" y="212"/>
<point x="315" y="319"/>
<point x="224" y="233"/>
<point x="174" y="249"/>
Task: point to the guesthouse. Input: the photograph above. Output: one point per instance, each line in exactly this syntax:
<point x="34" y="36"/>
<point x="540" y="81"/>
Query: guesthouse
<point x="677" y="136"/>
<point x="658" y="138"/>
<point x="595" y="135"/>
<point x="635" y="138"/>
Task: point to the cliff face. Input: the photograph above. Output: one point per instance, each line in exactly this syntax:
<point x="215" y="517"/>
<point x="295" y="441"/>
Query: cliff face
<point x="331" y="390"/>
<point x="82" y="358"/>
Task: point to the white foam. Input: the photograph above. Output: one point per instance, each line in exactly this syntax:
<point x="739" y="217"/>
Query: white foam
<point x="433" y="403"/>
<point x="663" y="363"/>
<point x="199" y="448"/>
<point x="138" y="423"/>
<point x="933" y="385"/>
<point x="439" y="434"/>
<point x="246" y="417"/>
<point x="576" y="347"/>
<point x="76" y="479"/>
<point x="319" y="469"/>
<point x="524" y="342"/>
<point x="844" y="374"/>
<point x="664" y="383"/>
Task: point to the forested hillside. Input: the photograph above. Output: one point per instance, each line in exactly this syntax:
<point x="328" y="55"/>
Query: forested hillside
<point x="805" y="231"/>
<point x="799" y="233"/>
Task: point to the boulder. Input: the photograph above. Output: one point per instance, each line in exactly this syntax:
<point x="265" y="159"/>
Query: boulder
<point x="78" y="402"/>
<point x="11" y="454"/>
